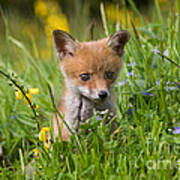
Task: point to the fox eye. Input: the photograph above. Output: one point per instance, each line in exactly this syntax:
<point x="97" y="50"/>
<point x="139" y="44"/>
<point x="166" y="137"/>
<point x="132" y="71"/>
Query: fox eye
<point x="85" y="77"/>
<point x="109" y="75"/>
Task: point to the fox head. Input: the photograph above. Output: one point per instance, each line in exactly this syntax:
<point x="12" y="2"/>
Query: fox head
<point x="90" y="68"/>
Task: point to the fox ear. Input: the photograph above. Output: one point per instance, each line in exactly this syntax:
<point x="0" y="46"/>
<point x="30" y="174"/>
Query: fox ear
<point x="118" y="40"/>
<point x="64" y="44"/>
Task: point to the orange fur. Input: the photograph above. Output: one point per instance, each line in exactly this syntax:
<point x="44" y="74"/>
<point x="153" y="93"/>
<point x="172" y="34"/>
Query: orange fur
<point x="95" y="58"/>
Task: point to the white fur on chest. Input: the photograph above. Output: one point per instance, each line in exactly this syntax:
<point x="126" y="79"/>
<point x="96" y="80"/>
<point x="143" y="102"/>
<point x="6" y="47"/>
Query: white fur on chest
<point x="79" y="109"/>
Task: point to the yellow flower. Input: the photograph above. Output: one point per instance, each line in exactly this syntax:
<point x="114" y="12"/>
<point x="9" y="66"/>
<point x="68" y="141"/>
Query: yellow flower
<point x="43" y="134"/>
<point x="41" y="8"/>
<point x="34" y="90"/>
<point x="117" y="15"/>
<point x="36" y="153"/>
<point x="29" y="96"/>
<point x="36" y="106"/>
<point x="56" y="22"/>
<point x="18" y="94"/>
<point x="46" y="145"/>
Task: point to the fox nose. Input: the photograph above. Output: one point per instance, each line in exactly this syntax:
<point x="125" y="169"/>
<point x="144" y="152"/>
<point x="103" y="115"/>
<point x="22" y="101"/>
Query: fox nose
<point x="103" y="94"/>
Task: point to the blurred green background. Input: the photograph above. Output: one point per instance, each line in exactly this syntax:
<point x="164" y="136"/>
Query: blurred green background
<point x="32" y="21"/>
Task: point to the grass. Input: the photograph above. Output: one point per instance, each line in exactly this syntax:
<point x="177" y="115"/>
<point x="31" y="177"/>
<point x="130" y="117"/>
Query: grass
<point x="147" y="99"/>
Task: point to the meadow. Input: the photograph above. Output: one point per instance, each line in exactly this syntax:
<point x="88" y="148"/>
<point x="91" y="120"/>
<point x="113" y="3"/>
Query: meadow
<point x="146" y="144"/>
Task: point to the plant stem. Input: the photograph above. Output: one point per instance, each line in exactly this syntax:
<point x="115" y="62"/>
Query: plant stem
<point x="24" y="94"/>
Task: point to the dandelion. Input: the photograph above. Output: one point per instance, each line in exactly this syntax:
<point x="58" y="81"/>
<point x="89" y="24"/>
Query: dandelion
<point x="177" y="130"/>
<point x="43" y="134"/>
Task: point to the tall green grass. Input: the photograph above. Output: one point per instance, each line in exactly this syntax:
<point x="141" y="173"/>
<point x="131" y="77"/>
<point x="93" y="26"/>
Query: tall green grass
<point x="147" y="99"/>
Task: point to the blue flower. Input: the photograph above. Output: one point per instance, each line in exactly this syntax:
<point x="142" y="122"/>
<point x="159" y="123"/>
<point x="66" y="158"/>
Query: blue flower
<point x="156" y="51"/>
<point x="166" y="52"/>
<point x="121" y="83"/>
<point x="98" y="118"/>
<point x="157" y="82"/>
<point x="145" y="93"/>
<point x="177" y="130"/>
<point x="131" y="73"/>
<point x="131" y="111"/>
<point x="131" y="64"/>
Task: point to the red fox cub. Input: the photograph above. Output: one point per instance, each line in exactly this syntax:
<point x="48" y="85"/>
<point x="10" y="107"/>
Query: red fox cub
<point x="90" y="70"/>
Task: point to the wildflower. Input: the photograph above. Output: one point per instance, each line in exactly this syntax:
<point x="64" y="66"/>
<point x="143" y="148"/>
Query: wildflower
<point x="36" y="106"/>
<point x="131" y="64"/>
<point x="98" y="118"/>
<point x="166" y="52"/>
<point x="12" y="117"/>
<point x="41" y="9"/>
<point x="157" y="82"/>
<point x="145" y="93"/>
<point x="18" y="94"/>
<point x="131" y="73"/>
<point x="36" y="153"/>
<point x="177" y="130"/>
<point x="156" y="51"/>
<point x="46" y="146"/>
<point x="114" y="15"/>
<point x="34" y="91"/>
<point x="29" y="96"/>
<point x="131" y="111"/>
<point x="43" y="134"/>
<point x="121" y="83"/>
